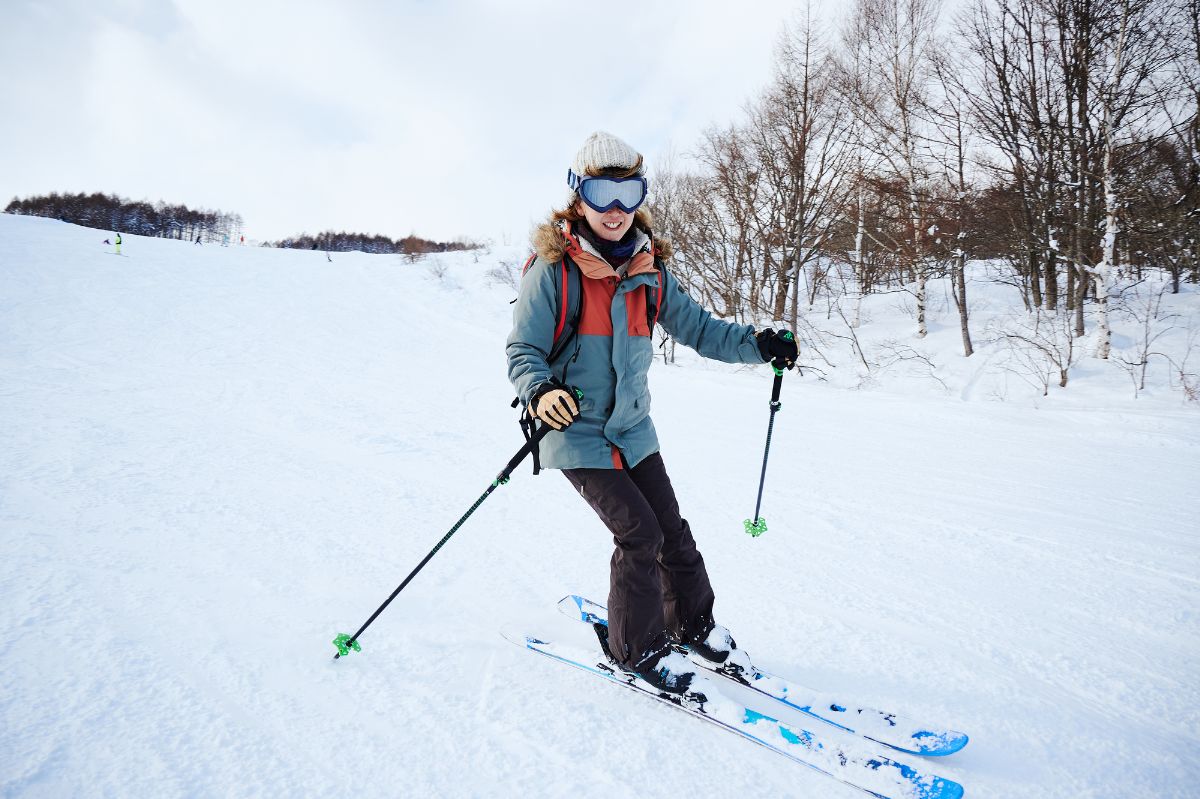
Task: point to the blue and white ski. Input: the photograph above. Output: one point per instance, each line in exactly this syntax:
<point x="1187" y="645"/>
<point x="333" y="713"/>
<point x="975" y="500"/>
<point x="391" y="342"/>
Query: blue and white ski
<point x="874" y="774"/>
<point x="874" y="725"/>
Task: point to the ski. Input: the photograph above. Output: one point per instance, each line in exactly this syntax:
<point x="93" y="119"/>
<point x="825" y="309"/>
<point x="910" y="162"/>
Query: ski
<point x="866" y="771"/>
<point x="884" y="728"/>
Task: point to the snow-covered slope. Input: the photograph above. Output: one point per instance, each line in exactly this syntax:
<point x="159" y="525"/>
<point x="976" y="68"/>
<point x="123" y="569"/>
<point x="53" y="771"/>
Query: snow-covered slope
<point x="212" y="460"/>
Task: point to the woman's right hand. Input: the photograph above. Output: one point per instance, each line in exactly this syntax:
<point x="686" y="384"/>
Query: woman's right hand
<point x="554" y="406"/>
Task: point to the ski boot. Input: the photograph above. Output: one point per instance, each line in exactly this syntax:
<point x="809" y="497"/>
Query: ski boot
<point x="716" y="650"/>
<point x="667" y="670"/>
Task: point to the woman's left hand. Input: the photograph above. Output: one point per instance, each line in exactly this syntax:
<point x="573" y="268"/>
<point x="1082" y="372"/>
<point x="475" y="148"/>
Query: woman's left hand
<point x="781" y="345"/>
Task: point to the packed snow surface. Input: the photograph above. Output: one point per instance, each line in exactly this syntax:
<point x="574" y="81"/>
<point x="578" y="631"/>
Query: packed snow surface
<point x="213" y="460"/>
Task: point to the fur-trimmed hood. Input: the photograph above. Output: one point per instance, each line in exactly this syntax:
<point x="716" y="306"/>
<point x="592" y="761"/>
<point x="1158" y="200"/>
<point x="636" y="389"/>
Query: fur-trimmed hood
<point x="555" y="238"/>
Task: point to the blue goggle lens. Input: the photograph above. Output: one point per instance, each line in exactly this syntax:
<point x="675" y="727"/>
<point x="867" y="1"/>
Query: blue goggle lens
<point x="602" y="194"/>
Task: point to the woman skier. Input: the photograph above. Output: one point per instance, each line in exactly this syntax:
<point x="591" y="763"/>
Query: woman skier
<point x="605" y="443"/>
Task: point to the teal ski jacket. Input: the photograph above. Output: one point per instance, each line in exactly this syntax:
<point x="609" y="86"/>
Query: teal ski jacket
<point x="613" y="349"/>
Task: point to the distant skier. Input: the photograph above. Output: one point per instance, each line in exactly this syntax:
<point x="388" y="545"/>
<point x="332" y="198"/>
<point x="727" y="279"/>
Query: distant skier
<point x="659" y="590"/>
<point x="118" y="244"/>
<point x="197" y="238"/>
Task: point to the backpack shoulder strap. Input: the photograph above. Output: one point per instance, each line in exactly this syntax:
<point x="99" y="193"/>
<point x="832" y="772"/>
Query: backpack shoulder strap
<point x="569" y="295"/>
<point x="528" y="263"/>
<point x="656" y="294"/>
<point x="568" y="301"/>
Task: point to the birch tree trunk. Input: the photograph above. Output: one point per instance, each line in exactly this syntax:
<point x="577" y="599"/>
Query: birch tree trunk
<point x="860" y="264"/>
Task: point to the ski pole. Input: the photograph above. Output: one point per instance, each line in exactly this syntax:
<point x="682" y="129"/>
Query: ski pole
<point x="758" y="525"/>
<point x="347" y="643"/>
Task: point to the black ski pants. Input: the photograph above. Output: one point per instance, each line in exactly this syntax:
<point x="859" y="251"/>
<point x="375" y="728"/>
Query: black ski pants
<point x="658" y="584"/>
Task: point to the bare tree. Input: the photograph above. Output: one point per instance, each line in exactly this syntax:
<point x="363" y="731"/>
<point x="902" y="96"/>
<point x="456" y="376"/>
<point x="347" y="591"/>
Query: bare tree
<point x="948" y="114"/>
<point x="1039" y="347"/>
<point x="799" y="130"/>
<point x="1134" y="49"/>
<point x="1018" y="107"/>
<point x="722" y="214"/>
<point x="667" y="186"/>
<point x="1153" y="322"/>
<point x="893" y="38"/>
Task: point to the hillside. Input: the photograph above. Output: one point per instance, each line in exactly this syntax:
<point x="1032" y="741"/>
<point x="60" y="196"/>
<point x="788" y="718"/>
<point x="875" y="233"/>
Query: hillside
<point x="215" y="459"/>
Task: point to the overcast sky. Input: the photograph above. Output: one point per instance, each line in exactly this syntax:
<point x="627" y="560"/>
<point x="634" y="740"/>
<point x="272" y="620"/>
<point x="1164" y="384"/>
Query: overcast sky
<point x="443" y="119"/>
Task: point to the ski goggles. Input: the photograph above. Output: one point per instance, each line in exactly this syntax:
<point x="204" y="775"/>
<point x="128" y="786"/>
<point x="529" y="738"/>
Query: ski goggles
<point x="603" y="194"/>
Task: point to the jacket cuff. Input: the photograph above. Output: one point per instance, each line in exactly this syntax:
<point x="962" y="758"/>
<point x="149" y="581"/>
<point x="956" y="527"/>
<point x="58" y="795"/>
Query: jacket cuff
<point x="544" y="388"/>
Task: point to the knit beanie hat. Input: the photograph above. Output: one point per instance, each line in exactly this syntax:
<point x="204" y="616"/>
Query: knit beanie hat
<point x="601" y="151"/>
<point x="605" y="151"/>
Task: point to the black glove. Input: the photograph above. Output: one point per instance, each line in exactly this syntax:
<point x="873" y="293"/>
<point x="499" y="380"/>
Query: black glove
<point x="772" y="345"/>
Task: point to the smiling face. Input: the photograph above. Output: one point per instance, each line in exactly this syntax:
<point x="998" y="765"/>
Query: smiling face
<point x="611" y="225"/>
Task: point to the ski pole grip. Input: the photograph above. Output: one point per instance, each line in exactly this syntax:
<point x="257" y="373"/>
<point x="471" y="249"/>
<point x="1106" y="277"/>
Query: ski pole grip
<point x="532" y="443"/>
<point x="779" y="364"/>
<point x="776" y="387"/>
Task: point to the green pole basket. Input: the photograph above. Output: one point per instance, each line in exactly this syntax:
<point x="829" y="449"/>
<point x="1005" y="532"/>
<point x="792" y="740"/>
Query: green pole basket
<point x="344" y="645"/>
<point x="757" y="527"/>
